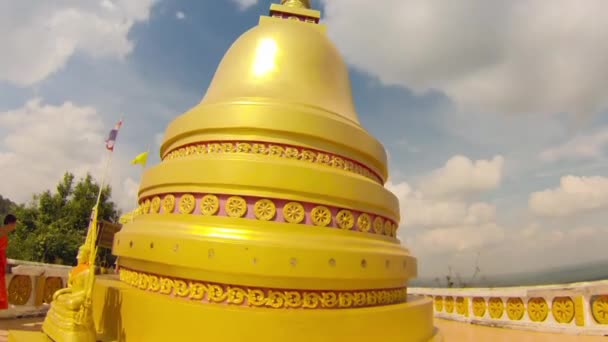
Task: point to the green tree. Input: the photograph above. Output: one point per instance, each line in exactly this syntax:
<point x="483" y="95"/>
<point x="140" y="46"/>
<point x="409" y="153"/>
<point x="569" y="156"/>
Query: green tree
<point x="53" y="225"/>
<point x="6" y="206"/>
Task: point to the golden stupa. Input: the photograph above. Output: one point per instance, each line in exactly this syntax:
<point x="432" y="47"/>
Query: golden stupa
<point x="267" y="219"/>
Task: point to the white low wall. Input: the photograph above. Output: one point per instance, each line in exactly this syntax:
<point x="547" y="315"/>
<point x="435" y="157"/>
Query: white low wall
<point x="580" y="308"/>
<point x="32" y="284"/>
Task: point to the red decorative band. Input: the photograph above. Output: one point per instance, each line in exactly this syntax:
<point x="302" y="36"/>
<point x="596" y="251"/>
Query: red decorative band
<point x="266" y="209"/>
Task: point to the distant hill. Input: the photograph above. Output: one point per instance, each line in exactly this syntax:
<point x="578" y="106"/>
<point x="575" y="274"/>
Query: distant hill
<point x="6" y="206"/>
<point x="597" y="270"/>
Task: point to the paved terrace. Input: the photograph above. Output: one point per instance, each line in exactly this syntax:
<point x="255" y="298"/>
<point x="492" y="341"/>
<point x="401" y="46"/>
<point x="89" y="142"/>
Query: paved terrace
<point x="452" y="331"/>
<point x="566" y="312"/>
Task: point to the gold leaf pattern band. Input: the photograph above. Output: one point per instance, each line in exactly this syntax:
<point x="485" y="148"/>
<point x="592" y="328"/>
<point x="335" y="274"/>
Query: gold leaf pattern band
<point x="205" y="292"/>
<point x="274" y="150"/>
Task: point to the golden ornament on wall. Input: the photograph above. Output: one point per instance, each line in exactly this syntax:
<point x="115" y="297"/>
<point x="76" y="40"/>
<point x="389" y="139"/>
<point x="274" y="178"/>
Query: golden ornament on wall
<point x="264" y="210"/>
<point x="236" y="206"/>
<point x="168" y="204"/>
<point x="364" y="222"/>
<point x="479" y="306"/>
<point x="210" y="204"/>
<point x="378" y="224"/>
<point x="537" y="309"/>
<point x="186" y="204"/>
<point x="146" y="208"/>
<point x="51" y="285"/>
<point x="496" y="307"/>
<point x="345" y="219"/>
<point x="448" y="302"/>
<point x="461" y="305"/>
<point x="599" y="309"/>
<point x="19" y="289"/>
<point x="515" y="309"/>
<point x="321" y="216"/>
<point x="293" y="212"/>
<point x="562" y="309"/>
<point x="388" y="228"/>
<point x="155" y="205"/>
<point x="438" y="303"/>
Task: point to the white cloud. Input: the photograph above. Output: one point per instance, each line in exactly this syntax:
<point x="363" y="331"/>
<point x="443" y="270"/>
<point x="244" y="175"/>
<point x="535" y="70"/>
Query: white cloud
<point x="460" y="176"/>
<point x="57" y="30"/>
<point x="533" y="248"/>
<point x="41" y="142"/>
<point x="432" y="223"/>
<point x="575" y="195"/>
<point x="459" y="238"/>
<point x="244" y="4"/>
<point x="180" y="15"/>
<point x="583" y="147"/>
<point x="158" y="139"/>
<point x="420" y="211"/>
<point x="487" y="55"/>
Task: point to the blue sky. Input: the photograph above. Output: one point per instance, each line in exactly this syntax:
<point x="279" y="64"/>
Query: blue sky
<point x="495" y="122"/>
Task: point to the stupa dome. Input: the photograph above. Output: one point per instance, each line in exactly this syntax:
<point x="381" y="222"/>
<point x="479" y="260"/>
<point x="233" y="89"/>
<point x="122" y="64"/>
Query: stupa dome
<point x="287" y="63"/>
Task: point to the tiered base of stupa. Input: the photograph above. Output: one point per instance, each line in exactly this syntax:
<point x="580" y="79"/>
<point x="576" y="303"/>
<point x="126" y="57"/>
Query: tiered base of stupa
<point x="126" y="313"/>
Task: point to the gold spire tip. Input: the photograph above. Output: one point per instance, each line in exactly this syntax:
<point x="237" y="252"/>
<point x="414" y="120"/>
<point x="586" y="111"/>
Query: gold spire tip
<point x="296" y="3"/>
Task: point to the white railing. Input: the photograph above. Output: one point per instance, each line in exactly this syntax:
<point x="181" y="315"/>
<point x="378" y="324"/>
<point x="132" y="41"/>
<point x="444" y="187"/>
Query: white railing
<point x="31" y="285"/>
<point x="580" y="308"/>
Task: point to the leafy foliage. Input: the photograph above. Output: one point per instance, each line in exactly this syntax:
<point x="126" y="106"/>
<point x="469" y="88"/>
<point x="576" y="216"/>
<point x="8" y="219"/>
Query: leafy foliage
<point x="6" y="206"/>
<point x="52" y="226"/>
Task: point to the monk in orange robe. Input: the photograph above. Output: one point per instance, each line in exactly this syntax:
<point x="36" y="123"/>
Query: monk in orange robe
<point x="10" y="221"/>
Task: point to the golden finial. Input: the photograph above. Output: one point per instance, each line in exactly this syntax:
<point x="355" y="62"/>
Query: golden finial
<point x="296" y="3"/>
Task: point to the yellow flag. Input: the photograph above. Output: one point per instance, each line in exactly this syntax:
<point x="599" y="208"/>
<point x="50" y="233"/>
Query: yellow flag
<point x="141" y="158"/>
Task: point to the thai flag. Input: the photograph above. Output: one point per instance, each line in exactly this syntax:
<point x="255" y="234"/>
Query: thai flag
<point x="112" y="137"/>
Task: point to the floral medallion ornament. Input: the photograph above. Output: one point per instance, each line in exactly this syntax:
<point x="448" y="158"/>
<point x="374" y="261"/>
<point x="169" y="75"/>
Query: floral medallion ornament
<point x="537" y="309"/>
<point x="236" y="206"/>
<point x="364" y="222"/>
<point x="264" y="210"/>
<point x="562" y="309"/>
<point x="378" y="224"/>
<point x="292" y="153"/>
<point x="599" y="308"/>
<point x="479" y="306"/>
<point x="19" y="289"/>
<point x="388" y="228"/>
<point x="155" y="205"/>
<point x="186" y="204"/>
<point x="438" y="303"/>
<point x="321" y="216"/>
<point x="210" y="204"/>
<point x="345" y="219"/>
<point x="515" y="309"/>
<point x="461" y="306"/>
<point x="449" y="304"/>
<point x="146" y="206"/>
<point x="293" y="212"/>
<point x="168" y="204"/>
<point x="496" y="307"/>
<point x="51" y="285"/>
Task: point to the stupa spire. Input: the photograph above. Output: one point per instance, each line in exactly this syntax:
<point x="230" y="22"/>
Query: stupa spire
<point x="296" y="3"/>
<point x="295" y="10"/>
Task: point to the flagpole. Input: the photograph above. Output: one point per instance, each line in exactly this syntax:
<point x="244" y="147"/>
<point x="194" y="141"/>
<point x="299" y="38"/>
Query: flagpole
<point x="91" y="237"/>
